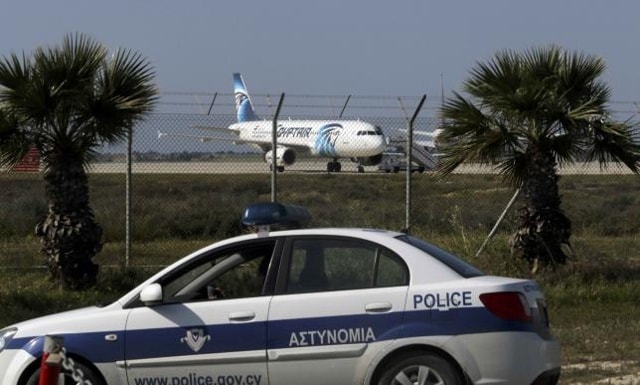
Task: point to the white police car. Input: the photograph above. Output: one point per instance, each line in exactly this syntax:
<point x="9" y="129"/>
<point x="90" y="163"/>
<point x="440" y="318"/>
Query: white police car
<point x="310" y="306"/>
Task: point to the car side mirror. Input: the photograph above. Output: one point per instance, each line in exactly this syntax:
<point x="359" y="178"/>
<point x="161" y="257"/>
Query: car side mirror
<point x="151" y="295"/>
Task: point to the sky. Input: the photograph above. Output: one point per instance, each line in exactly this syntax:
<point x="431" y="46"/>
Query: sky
<point x="334" y="47"/>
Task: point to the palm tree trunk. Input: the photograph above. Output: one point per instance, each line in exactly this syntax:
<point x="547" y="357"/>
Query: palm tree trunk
<point x="69" y="234"/>
<point x="543" y="230"/>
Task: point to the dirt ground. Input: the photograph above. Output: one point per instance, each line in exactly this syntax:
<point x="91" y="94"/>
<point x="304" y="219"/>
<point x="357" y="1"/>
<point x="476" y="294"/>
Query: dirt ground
<point x="617" y="369"/>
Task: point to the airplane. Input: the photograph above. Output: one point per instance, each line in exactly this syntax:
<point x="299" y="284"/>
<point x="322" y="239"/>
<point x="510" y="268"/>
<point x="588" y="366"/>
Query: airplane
<point x="359" y="141"/>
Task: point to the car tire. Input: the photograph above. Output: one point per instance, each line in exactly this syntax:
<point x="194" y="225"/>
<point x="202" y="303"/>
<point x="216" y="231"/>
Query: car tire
<point x="88" y="374"/>
<point x="421" y="369"/>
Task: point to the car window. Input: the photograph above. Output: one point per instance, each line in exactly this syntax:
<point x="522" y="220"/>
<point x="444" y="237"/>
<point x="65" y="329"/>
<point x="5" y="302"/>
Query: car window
<point x="237" y="272"/>
<point x="342" y="264"/>
<point x="456" y="264"/>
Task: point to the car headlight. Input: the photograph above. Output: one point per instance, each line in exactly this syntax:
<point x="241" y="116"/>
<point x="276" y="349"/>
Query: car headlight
<point x="5" y="337"/>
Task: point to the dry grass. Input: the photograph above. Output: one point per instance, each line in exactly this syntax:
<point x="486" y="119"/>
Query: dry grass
<point x="593" y="300"/>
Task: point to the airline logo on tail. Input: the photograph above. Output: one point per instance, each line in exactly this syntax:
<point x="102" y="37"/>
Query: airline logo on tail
<point x="244" y="107"/>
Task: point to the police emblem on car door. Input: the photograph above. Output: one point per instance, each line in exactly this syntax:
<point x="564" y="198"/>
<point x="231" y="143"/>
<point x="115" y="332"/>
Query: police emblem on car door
<point x="195" y="339"/>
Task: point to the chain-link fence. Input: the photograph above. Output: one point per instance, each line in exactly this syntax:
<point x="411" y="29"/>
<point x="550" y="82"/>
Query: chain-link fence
<point x="190" y="179"/>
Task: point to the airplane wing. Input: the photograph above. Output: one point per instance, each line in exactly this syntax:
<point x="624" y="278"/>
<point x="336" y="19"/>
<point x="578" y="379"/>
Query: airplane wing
<point x="210" y="128"/>
<point x="201" y="138"/>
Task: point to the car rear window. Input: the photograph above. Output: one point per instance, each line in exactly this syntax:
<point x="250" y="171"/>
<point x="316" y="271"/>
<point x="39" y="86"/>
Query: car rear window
<point x="453" y="262"/>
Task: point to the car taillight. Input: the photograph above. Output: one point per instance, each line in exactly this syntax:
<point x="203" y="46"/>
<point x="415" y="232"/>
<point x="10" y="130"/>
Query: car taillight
<point x="542" y="308"/>
<point x="508" y="305"/>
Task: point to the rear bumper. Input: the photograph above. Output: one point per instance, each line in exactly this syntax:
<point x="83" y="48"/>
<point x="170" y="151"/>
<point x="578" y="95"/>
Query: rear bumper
<point x="507" y="358"/>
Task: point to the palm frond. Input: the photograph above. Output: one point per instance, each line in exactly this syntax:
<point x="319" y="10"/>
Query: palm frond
<point x="14" y="142"/>
<point x="124" y="93"/>
<point x="14" y="73"/>
<point x="614" y="142"/>
<point x="542" y="99"/>
<point x="70" y="98"/>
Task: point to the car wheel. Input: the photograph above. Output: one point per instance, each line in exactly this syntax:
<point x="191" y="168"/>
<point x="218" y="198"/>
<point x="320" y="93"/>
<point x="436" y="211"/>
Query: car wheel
<point x="88" y="374"/>
<point x="424" y="369"/>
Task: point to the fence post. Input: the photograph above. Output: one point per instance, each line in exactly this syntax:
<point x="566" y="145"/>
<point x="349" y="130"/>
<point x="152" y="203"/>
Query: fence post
<point x="51" y="360"/>
<point x="274" y="150"/>
<point x="407" y="223"/>
<point x="128" y="216"/>
<point x="344" y="107"/>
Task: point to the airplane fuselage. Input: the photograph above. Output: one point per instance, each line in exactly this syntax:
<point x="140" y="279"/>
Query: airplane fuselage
<point x="326" y="138"/>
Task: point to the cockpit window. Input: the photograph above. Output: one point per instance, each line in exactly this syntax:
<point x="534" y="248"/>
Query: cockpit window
<point x="377" y="132"/>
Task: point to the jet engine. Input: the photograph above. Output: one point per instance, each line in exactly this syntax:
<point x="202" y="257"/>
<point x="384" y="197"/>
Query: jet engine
<point x="284" y="157"/>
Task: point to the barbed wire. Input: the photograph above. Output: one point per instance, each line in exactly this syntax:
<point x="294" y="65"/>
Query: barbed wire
<point x="318" y="102"/>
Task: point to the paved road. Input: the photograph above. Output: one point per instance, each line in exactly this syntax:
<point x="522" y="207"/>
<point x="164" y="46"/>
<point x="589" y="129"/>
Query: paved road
<point x="230" y="167"/>
<point x="226" y="167"/>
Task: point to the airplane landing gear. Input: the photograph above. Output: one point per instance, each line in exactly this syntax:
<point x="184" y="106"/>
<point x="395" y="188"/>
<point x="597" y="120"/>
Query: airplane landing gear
<point x="334" y="166"/>
<point x="360" y="169"/>
<point x="278" y="168"/>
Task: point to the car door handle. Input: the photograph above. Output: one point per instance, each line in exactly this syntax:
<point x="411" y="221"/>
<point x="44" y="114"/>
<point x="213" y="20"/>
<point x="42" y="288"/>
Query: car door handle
<point x="378" y="307"/>
<point x="242" y="316"/>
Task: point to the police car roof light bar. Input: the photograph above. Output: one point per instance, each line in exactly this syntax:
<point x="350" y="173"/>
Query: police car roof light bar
<point x="282" y="216"/>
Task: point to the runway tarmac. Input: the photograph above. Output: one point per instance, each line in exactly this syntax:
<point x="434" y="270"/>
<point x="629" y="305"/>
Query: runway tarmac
<point x="231" y="167"/>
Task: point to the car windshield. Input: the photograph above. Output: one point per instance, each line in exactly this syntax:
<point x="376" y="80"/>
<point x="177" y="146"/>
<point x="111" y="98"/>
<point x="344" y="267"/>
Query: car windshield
<point x="453" y="262"/>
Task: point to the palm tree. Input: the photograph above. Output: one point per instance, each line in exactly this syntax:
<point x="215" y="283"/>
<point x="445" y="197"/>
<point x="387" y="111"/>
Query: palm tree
<point x="528" y="113"/>
<point x="66" y="101"/>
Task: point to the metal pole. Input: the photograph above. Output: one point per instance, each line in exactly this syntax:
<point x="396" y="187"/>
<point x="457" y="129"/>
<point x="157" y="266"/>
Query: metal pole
<point x="407" y="223"/>
<point x="495" y="227"/>
<point x="51" y="360"/>
<point x="441" y="104"/>
<point x="404" y="111"/>
<point x="345" y="105"/>
<point x="212" y="102"/>
<point x="274" y="149"/>
<point x="128" y="199"/>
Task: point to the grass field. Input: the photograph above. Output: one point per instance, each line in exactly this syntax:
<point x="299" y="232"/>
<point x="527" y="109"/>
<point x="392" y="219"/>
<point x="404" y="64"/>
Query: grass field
<point x="593" y="301"/>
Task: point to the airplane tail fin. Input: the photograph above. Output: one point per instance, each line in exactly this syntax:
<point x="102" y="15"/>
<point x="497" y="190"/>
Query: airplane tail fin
<point x="244" y="108"/>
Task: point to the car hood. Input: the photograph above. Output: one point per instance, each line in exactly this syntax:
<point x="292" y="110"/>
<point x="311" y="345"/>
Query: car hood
<point x="63" y="322"/>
